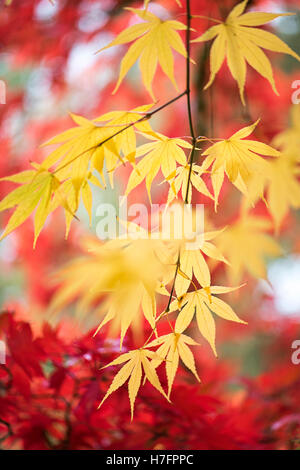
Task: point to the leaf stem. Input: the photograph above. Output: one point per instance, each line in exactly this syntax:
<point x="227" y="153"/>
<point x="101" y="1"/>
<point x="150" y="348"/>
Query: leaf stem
<point x="188" y="94"/>
<point x="143" y="118"/>
<point x="191" y="125"/>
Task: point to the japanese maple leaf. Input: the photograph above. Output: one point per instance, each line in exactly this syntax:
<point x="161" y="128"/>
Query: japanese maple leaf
<point x="37" y="187"/>
<point x="94" y="142"/>
<point x="246" y="245"/>
<point x="239" y="158"/>
<point x="162" y="153"/>
<point x="179" y="183"/>
<point x="137" y="361"/>
<point x="192" y="262"/>
<point x="240" y="42"/>
<point x="173" y="347"/>
<point x="154" y="40"/>
<point x="202" y="303"/>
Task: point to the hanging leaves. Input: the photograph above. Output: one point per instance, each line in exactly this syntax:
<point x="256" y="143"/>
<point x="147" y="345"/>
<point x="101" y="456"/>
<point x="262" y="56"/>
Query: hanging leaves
<point x="154" y="40"/>
<point x="35" y="193"/>
<point x="241" y="42"/>
<point x="119" y="281"/>
<point x="179" y="183"/>
<point x="172" y="348"/>
<point x="137" y="362"/>
<point x="192" y="262"/>
<point x="238" y="158"/>
<point x="162" y="153"/>
<point x="201" y="303"/>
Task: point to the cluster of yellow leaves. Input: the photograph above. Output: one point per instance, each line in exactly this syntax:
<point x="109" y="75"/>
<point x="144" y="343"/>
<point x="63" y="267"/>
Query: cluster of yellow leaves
<point x="154" y="40"/>
<point x="202" y="303"/>
<point x="119" y="281"/>
<point x="137" y="361"/>
<point x="37" y="188"/>
<point x="241" y="42"/>
<point x="172" y="347"/>
<point x="64" y="176"/>
<point x="192" y="262"/>
<point x="239" y="158"/>
<point x="179" y="183"/>
<point x="162" y="153"/>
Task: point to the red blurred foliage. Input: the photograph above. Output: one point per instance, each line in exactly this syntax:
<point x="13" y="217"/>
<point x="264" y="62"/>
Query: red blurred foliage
<point x="50" y="390"/>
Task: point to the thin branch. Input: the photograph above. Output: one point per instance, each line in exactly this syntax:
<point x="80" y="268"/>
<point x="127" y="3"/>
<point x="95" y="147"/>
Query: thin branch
<point x="188" y="68"/>
<point x="188" y="89"/>
<point x="192" y="130"/>
<point x="143" y="118"/>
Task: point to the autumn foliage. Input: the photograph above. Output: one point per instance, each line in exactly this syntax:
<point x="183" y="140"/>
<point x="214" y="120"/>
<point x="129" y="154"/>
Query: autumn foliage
<point x="139" y="341"/>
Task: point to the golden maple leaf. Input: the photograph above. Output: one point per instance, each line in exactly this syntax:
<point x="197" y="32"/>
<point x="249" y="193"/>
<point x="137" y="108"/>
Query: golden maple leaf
<point x="192" y="262"/>
<point x="239" y="158"/>
<point x="37" y="189"/>
<point x="137" y="361"/>
<point x="172" y="347"/>
<point x="154" y="40"/>
<point x="201" y="302"/>
<point x="240" y="42"/>
<point x="96" y="143"/>
<point x="162" y="153"/>
<point x="179" y="182"/>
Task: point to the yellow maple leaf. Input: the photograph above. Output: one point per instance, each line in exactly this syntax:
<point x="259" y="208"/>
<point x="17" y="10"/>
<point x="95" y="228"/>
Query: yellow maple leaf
<point x="172" y="347"/>
<point x="201" y="302"/>
<point x="37" y="189"/>
<point x="94" y="142"/>
<point x="179" y="182"/>
<point x="136" y="361"/>
<point x="240" y="42"/>
<point x="239" y="158"/>
<point x="126" y="140"/>
<point x="154" y="40"/>
<point x="192" y="262"/>
<point x="162" y="153"/>
<point x="246" y="245"/>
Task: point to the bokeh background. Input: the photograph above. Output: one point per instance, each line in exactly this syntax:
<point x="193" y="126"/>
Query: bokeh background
<point x="51" y="384"/>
